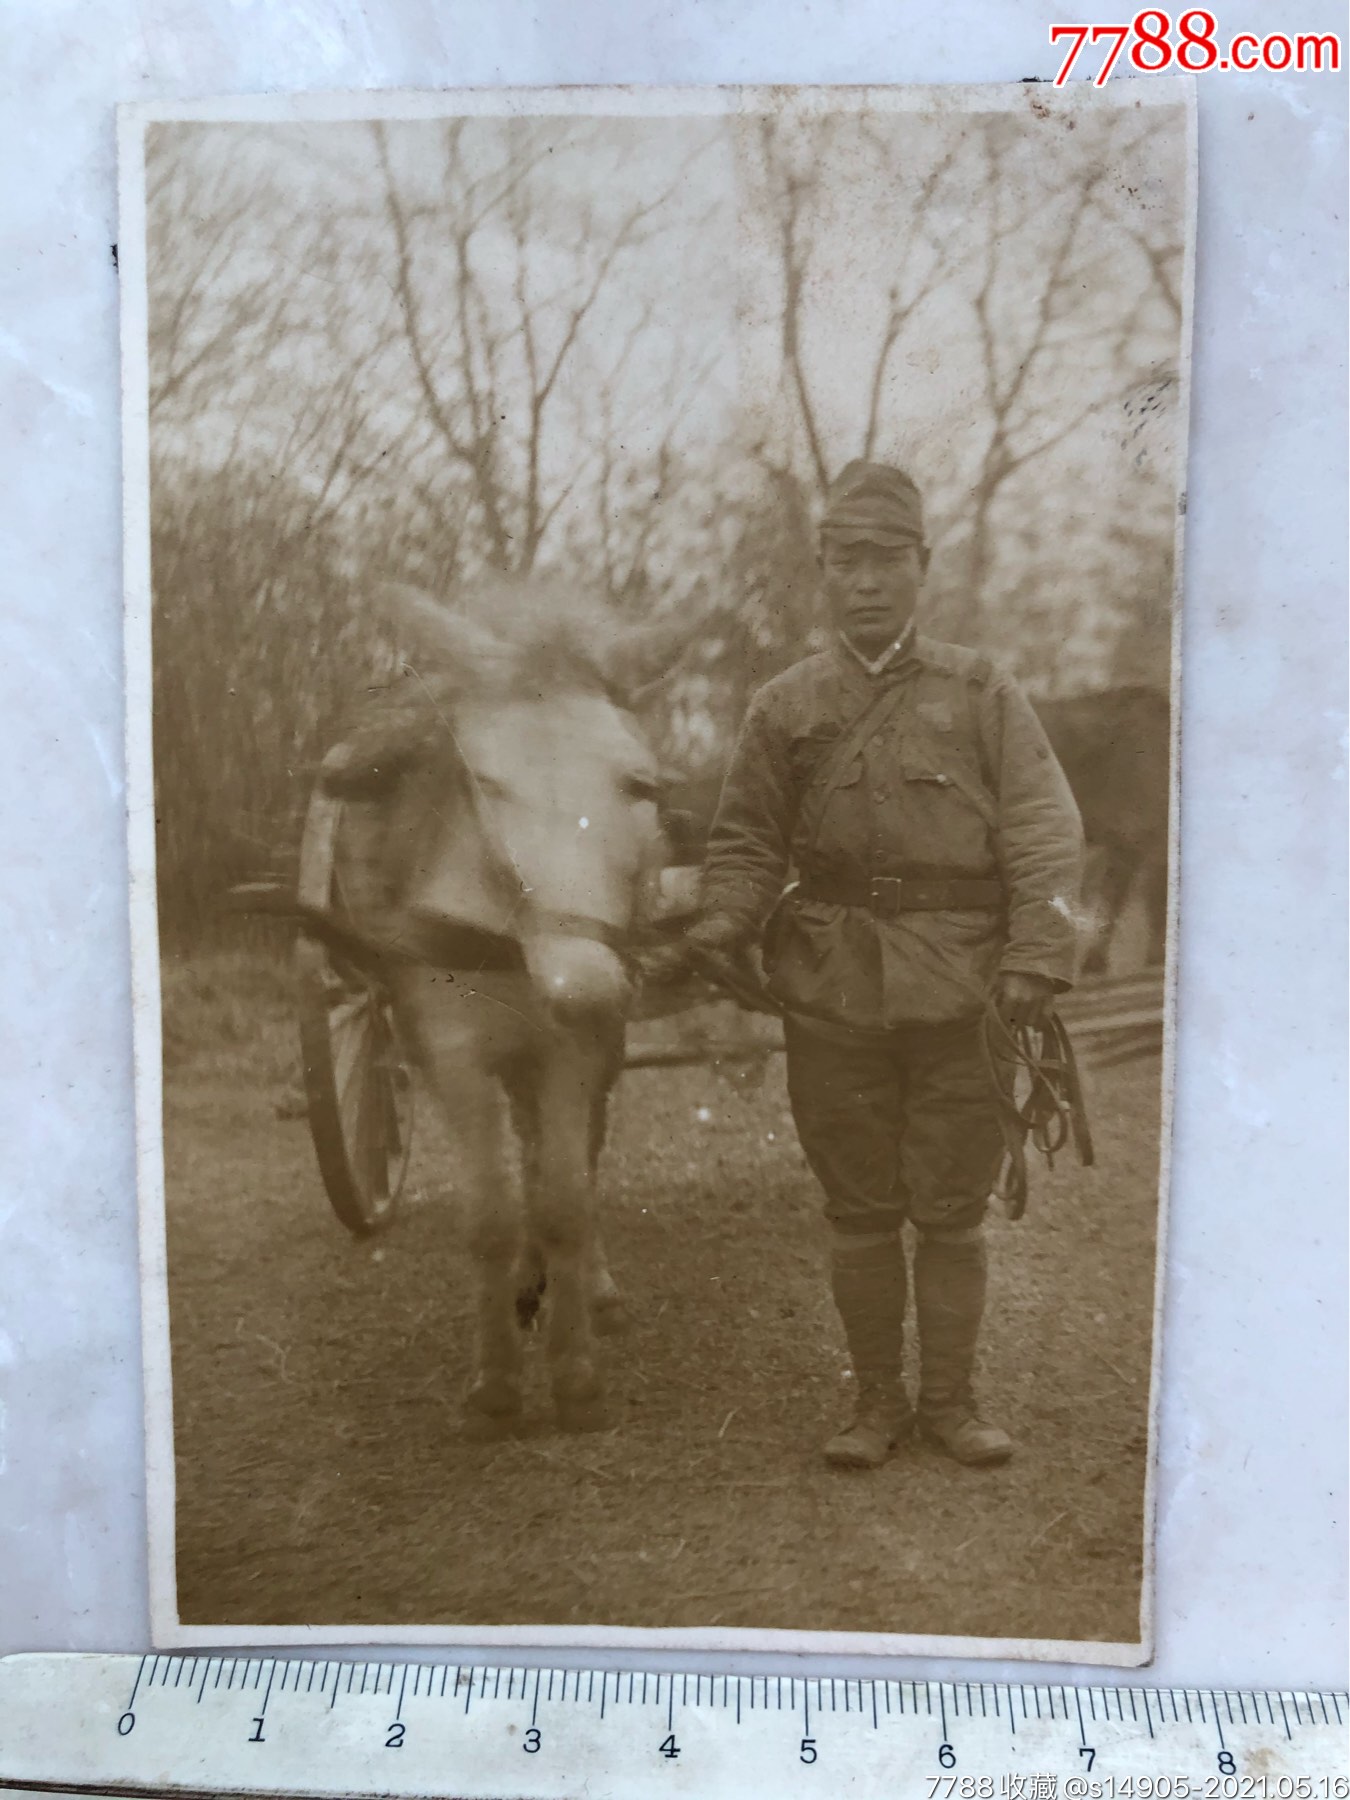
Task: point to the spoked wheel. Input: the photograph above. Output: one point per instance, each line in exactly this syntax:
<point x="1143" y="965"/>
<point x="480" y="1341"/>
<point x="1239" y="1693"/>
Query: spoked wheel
<point x="358" y="1087"/>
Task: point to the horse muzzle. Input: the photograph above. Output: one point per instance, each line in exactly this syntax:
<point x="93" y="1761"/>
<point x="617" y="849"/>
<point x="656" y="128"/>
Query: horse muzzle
<point x="577" y="977"/>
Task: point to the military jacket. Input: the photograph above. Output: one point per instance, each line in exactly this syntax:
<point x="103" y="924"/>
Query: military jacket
<point x="959" y="782"/>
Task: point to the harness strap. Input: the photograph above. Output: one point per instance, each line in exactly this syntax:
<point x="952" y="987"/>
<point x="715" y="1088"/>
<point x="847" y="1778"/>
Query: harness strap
<point x="580" y="925"/>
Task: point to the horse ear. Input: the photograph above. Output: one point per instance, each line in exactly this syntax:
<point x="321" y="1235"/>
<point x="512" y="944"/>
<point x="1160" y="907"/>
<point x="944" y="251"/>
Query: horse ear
<point x="428" y="631"/>
<point x="637" y="658"/>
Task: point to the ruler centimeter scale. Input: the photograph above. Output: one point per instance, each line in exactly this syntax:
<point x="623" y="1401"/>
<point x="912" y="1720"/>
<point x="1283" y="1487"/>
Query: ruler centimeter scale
<point x="223" y="1724"/>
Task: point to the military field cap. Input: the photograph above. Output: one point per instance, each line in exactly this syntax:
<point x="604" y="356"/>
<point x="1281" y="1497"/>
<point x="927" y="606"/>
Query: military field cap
<point x="871" y="502"/>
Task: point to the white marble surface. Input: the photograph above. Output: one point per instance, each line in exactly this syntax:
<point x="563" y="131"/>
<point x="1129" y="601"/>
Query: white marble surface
<point x="1252" y="1543"/>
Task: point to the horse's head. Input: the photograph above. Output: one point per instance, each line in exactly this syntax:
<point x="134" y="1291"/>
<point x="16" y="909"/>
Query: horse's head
<point x="540" y="803"/>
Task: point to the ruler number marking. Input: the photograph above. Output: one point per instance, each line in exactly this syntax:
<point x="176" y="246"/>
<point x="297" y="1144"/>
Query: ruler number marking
<point x="1084" y="1748"/>
<point x="259" y="1719"/>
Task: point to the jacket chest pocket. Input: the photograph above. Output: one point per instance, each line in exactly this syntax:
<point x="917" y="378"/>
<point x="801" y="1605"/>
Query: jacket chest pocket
<point x="809" y="751"/>
<point x="807" y="756"/>
<point x="941" y="787"/>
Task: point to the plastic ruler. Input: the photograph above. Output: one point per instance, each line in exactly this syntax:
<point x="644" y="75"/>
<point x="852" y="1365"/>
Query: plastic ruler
<point x="215" y="1724"/>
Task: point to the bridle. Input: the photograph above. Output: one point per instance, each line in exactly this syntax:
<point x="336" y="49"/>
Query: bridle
<point x="1053" y="1113"/>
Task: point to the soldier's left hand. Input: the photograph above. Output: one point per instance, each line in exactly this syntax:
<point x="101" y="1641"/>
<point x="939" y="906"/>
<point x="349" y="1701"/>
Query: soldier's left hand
<point x="1023" y="1000"/>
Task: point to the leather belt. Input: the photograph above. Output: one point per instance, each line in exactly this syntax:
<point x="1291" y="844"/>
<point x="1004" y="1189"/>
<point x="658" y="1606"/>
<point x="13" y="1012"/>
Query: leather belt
<point x="887" y="895"/>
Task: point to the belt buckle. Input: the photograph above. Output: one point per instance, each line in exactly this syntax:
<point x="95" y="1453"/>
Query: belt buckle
<point x="884" y="893"/>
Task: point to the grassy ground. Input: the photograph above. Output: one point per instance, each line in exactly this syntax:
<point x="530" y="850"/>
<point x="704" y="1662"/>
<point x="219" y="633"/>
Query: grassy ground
<point x="322" y="1477"/>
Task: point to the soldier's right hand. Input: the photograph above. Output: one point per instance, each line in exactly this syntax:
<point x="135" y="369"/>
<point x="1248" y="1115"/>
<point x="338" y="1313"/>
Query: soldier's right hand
<point x="716" y="934"/>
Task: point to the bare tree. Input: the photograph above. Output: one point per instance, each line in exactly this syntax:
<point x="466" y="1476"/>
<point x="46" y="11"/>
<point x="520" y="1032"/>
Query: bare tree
<point x="916" y="263"/>
<point x="1023" y="344"/>
<point x="490" y="359"/>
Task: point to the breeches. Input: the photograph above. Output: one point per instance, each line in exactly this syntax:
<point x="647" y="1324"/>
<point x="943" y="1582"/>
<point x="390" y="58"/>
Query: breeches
<point x="895" y="1128"/>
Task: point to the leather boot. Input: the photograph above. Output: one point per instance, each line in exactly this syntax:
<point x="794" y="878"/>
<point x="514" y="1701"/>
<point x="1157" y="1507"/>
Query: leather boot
<point x="949" y="1290"/>
<point x="868" y="1280"/>
<point x="881" y="1424"/>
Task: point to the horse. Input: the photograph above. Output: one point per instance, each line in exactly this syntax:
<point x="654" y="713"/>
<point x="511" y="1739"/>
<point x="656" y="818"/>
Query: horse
<point x="508" y="850"/>
<point x="1115" y="748"/>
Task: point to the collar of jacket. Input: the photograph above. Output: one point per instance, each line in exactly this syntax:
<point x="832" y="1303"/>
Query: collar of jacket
<point x="899" y="653"/>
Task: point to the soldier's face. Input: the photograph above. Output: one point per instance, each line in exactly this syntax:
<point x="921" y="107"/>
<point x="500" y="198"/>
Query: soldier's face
<point x="872" y="589"/>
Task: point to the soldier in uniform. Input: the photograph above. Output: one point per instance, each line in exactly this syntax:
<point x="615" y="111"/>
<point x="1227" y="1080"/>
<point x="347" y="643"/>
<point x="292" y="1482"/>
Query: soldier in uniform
<point x="937" y="848"/>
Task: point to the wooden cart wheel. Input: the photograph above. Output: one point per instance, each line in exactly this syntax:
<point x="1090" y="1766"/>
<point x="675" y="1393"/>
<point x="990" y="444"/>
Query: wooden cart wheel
<point x="358" y="1087"/>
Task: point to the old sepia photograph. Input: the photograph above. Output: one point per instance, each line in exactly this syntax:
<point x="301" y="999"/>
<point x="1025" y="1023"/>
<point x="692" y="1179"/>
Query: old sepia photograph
<point x="651" y="625"/>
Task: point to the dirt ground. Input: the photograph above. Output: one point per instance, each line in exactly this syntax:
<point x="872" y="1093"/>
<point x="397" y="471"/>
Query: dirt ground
<point x="322" y="1477"/>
